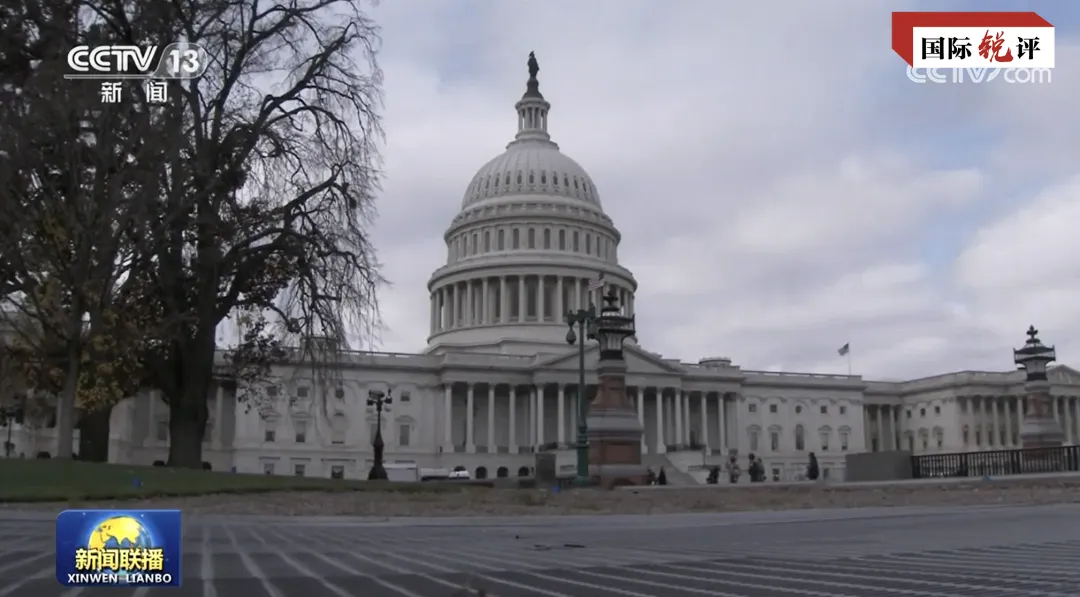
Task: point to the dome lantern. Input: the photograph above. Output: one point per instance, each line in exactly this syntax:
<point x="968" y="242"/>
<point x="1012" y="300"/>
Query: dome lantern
<point x="532" y="108"/>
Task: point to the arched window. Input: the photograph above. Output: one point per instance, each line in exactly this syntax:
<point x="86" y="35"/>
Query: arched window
<point x="501" y="242"/>
<point x="547" y="238"/>
<point x="515" y="239"/>
<point x="562" y="240"/>
<point x="588" y="244"/>
<point x="481" y="472"/>
<point x="475" y="244"/>
<point x="577" y="243"/>
<point x="800" y="438"/>
<point x="523" y="471"/>
<point x="502" y="472"/>
<point x="532" y="238"/>
<point x="487" y="241"/>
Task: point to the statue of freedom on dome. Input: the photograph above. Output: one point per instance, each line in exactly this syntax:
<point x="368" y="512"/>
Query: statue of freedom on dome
<point x="534" y="66"/>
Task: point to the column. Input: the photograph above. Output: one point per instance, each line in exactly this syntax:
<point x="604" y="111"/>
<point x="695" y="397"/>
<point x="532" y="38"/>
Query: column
<point x="513" y="419"/>
<point x="504" y="303"/>
<point x="721" y="422"/>
<point x="485" y="304"/>
<point x="1020" y="416"/>
<point x="1007" y="407"/>
<point x="492" y="447"/>
<point x="539" y="415"/>
<point x="218" y="412"/>
<point x="639" y="402"/>
<point x="434" y="301"/>
<point x="630" y="303"/>
<point x="521" y="298"/>
<point x="470" y="413"/>
<point x="453" y="319"/>
<point x="995" y="420"/>
<point x="531" y="423"/>
<point x="660" y="443"/>
<point x="896" y="429"/>
<point x="470" y="304"/>
<point x="541" y="298"/>
<point x="880" y="428"/>
<point x="561" y="407"/>
<point x="705" y="422"/>
<point x="677" y="413"/>
<point x="448" y="421"/>
<point x="560" y="308"/>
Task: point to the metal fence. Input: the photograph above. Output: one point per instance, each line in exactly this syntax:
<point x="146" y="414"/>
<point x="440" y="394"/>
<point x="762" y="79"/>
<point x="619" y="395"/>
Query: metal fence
<point x="997" y="463"/>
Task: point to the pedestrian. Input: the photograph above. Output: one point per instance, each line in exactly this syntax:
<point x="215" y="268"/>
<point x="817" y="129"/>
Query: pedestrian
<point x="661" y="479"/>
<point x="812" y="469"/>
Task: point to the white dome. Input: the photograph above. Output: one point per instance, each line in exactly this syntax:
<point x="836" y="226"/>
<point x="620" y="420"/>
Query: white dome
<point x="530" y="244"/>
<point x="531" y="167"/>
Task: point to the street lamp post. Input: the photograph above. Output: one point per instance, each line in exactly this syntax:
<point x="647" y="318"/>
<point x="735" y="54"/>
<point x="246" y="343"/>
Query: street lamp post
<point x="1041" y="428"/>
<point x="379" y="400"/>
<point x="585" y="320"/>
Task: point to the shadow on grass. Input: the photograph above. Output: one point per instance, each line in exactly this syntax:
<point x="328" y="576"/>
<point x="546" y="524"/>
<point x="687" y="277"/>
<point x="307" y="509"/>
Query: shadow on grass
<point x="59" y="480"/>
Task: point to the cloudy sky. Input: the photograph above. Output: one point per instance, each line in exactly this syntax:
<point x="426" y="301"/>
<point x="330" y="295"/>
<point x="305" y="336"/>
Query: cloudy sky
<point x="781" y="186"/>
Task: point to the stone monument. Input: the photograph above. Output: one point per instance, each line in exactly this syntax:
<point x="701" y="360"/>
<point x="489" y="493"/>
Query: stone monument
<point x="614" y="431"/>
<point x="1040" y="429"/>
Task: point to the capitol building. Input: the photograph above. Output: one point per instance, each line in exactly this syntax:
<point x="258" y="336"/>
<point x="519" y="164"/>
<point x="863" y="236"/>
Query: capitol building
<point x="498" y="381"/>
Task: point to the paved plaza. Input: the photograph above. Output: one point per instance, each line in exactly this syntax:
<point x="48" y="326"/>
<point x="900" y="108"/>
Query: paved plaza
<point x="924" y="552"/>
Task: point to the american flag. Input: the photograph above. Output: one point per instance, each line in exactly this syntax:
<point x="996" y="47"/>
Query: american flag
<point x="598" y="283"/>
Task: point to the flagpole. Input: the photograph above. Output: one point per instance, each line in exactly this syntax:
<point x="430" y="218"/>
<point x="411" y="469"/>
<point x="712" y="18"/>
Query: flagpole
<point x="849" y="362"/>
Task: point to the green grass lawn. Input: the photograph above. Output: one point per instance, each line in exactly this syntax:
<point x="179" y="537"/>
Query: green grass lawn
<point x="27" y="480"/>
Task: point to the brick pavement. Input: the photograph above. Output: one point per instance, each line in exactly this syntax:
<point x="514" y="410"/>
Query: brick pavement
<point x="910" y="552"/>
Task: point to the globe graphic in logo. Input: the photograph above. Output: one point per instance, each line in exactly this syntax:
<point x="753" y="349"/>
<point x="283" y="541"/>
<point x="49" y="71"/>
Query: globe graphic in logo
<point x="119" y="532"/>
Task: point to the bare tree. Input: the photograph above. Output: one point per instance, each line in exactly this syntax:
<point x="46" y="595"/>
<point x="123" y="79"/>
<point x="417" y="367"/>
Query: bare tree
<point x="266" y="191"/>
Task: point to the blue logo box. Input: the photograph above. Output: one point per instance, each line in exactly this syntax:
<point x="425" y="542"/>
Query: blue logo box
<point x="128" y="548"/>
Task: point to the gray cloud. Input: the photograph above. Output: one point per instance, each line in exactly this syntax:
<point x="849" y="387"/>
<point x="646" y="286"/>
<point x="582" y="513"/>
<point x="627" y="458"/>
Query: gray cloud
<point x="776" y="200"/>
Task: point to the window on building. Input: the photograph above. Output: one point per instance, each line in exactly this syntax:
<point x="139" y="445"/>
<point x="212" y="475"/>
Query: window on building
<point x="562" y="240"/>
<point x="800" y="438"/>
<point x="753" y="441"/>
<point x="909" y="414"/>
<point x="824" y="435"/>
<point x="843" y="410"/>
<point x="776" y="475"/>
<point x="532" y="238"/>
<point x="937" y="410"/>
<point x="338" y="427"/>
<point x="515" y="239"/>
<point x="300" y="427"/>
<point x="163" y="431"/>
<point x="751" y="407"/>
<point x="824" y="410"/>
<point x="577" y="242"/>
<point x="588" y="244"/>
<point x="939" y="438"/>
<point x="301" y="392"/>
<point x="843" y="441"/>
<point x="269" y="431"/>
<point x="475" y="244"/>
<point x="339" y="393"/>
<point x="299" y="469"/>
<point x="487" y="241"/>
<point x="978" y="437"/>
<point x="922" y="412"/>
<point x="772" y="408"/>
<point x="337" y="471"/>
<point x="925" y="443"/>
<point x="268" y="468"/>
<point x="965" y="436"/>
<point x="798" y="410"/>
<point x="271" y="391"/>
<point x="547" y="238"/>
<point x="774" y="440"/>
<point x="501" y="234"/>
<point x="403" y="434"/>
<point x="405" y="397"/>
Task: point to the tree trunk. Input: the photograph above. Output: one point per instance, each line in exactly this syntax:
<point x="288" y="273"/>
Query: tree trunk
<point x="94" y="435"/>
<point x="188" y="411"/>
